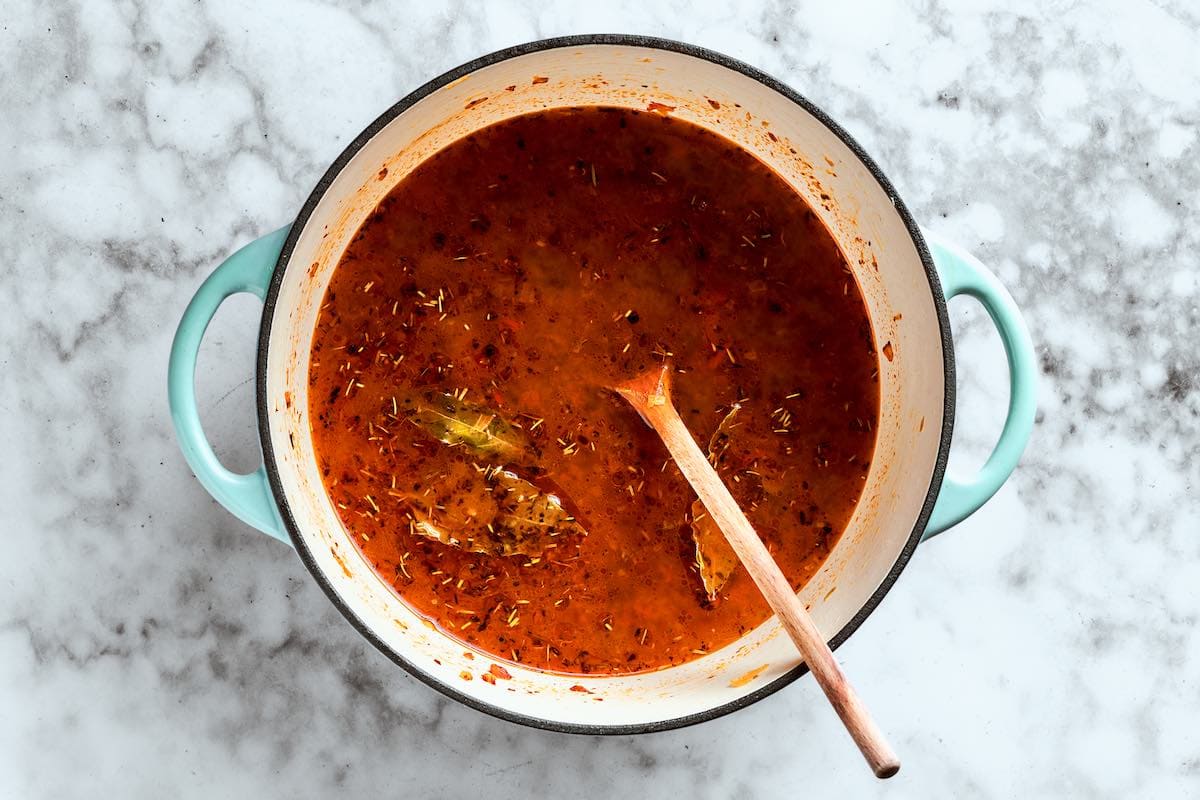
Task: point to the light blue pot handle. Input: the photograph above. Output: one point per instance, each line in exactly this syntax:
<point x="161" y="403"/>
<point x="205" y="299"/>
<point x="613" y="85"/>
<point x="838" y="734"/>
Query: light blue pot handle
<point x="961" y="273"/>
<point x="248" y="497"/>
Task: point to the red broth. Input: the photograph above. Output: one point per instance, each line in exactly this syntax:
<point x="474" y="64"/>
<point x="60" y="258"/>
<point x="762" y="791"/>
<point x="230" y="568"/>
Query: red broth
<point x="458" y="386"/>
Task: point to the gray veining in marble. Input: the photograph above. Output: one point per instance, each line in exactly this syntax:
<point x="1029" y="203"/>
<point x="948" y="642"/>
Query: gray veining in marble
<point x="151" y="645"/>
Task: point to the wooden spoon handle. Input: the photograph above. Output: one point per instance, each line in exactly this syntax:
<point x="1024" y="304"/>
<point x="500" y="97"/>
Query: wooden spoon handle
<point x="774" y="586"/>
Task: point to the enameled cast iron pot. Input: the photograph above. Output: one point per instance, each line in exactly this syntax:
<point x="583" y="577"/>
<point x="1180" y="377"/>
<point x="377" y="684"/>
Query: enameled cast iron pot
<point x="905" y="273"/>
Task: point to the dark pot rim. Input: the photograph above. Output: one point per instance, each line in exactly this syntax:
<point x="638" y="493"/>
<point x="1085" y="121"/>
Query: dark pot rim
<point x="580" y="41"/>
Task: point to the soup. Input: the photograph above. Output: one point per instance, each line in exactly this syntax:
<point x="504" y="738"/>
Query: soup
<point x="460" y="373"/>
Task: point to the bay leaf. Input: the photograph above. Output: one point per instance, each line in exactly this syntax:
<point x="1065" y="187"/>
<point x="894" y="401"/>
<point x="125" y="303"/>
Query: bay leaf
<point x="714" y="555"/>
<point x="454" y="421"/>
<point x="491" y="510"/>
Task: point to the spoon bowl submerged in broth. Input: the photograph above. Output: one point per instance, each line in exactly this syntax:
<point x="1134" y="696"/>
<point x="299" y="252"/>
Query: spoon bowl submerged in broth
<point x="457" y="375"/>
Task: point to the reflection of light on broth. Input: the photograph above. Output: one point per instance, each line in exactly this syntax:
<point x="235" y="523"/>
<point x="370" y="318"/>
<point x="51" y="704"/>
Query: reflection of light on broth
<point x="502" y="284"/>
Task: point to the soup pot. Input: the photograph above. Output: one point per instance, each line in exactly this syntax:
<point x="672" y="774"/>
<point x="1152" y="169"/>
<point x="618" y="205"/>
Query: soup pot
<point x="905" y="274"/>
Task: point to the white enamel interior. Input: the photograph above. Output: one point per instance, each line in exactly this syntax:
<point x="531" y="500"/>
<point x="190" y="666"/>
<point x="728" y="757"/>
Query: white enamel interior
<point x="816" y="163"/>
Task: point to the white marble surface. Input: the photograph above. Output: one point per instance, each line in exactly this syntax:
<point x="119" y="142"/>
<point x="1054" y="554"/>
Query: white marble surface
<point x="152" y="646"/>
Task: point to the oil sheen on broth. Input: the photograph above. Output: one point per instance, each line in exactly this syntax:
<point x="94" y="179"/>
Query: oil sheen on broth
<point x="459" y="372"/>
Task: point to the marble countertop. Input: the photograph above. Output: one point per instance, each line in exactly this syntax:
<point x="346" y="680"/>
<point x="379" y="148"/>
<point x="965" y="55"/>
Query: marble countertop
<point x="151" y="645"/>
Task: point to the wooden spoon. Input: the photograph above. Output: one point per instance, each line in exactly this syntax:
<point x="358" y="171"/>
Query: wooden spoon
<point x="650" y="394"/>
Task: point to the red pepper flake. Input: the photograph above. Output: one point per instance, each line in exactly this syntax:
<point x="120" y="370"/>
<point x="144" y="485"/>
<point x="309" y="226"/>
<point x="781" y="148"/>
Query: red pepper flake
<point x="468" y="655"/>
<point x="578" y="688"/>
<point x="487" y="677"/>
<point x="465" y="675"/>
<point x="661" y="108"/>
<point x="889" y="352"/>
<point x="512" y="88"/>
<point x="716" y="106"/>
<point x="500" y="672"/>
<point x="287" y="399"/>
<point x="476" y="101"/>
<point x="540" y="79"/>
<point x="382" y="174"/>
